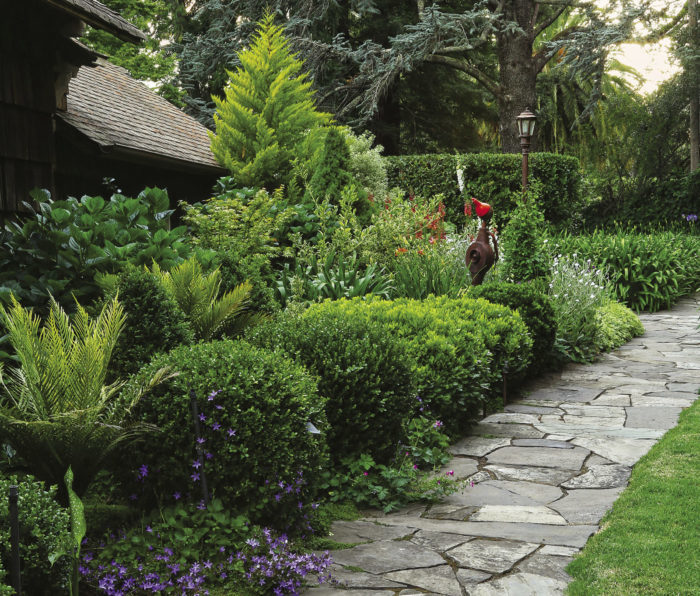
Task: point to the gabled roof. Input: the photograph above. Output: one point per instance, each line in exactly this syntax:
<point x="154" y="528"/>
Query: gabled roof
<point x="122" y="115"/>
<point x="98" y="15"/>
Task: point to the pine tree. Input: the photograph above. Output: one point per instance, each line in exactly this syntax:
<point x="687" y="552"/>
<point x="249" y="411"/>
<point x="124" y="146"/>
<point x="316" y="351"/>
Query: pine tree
<point x="268" y="109"/>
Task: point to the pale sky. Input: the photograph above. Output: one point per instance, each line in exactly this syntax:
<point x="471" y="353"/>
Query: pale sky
<point x="653" y="61"/>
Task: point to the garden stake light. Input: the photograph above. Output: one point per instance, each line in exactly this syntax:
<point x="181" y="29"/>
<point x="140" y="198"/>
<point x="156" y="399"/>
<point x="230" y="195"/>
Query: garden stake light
<point x="16" y="577"/>
<point x="200" y="451"/>
<point x="481" y="255"/>
<point x="526" y="127"/>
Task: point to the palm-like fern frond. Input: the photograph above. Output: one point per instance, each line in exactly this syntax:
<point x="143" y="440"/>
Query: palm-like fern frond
<point x="197" y="295"/>
<point x="57" y="410"/>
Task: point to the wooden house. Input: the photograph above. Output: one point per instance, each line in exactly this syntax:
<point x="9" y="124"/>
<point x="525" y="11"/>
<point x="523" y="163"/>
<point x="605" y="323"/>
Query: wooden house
<point x="69" y="118"/>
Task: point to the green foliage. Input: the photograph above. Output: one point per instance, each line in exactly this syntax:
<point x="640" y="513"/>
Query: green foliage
<point x="457" y="349"/>
<point x="615" y="325"/>
<point x="367" y="165"/>
<point x="76" y="513"/>
<point x="61" y="246"/>
<point x="43" y="531"/>
<point x="244" y="227"/>
<point x="57" y="410"/>
<point x="267" y="111"/>
<point x="364" y="372"/>
<point x="522" y="243"/>
<point x="330" y="167"/>
<point x="647" y="271"/>
<point x="535" y="307"/>
<point x="257" y="437"/>
<point x="334" y="278"/>
<point x="577" y="289"/>
<point x="197" y="295"/>
<point x="154" y="322"/>
<point x="493" y="178"/>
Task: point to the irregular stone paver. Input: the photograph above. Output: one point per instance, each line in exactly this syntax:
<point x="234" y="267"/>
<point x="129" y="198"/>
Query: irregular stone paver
<point x="440" y="580"/>
<point x="359" y="531"/>
<point x="652" y="417"/>
<point x="491" y="556"/>
<point x="539" y="477"/>
<point x="553" y="476"/>
<point x="542" y="443"/>
<point x="610" y="476"/>
<point x="543" y="457"/>
<point x="477" y="446"/>
<point x="387" y="555"/>
<point x="547" y="566"/>
<point x="519" y="514"/>
<point x="520" y="584"/>
<point x="586" y="506"/>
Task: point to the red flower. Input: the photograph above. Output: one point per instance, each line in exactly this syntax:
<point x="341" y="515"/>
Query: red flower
<point x="467" y="209"/>
<point x="400" y="251"/>
<point x="419" y="234"/>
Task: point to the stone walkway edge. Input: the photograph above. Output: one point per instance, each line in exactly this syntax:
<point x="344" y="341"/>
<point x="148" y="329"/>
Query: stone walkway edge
<point x="544" y="472"/>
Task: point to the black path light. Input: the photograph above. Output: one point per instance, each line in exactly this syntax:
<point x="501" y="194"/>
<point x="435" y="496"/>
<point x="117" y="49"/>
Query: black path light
<point x="526" y="128"/>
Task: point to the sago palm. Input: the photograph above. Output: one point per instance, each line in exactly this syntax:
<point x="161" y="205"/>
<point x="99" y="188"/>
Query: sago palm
<point x="197" y="294"/>
<point x="55" y="409"/>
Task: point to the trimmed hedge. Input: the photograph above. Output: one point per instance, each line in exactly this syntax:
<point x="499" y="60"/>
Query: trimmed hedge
<point x="254" y="429"/>
<point x="491" y="177"/>
<point x="458" y="348"/>
<point x="364" y="372"/>
<point x="536" y="310"/>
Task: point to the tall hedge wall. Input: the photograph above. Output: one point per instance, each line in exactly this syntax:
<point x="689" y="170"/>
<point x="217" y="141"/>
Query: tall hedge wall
<point x="491" y="177"/>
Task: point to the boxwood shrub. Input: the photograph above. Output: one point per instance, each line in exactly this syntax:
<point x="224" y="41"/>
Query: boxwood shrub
<point x="535" y="308"/>
<point x="364" y="372"/>
<point x="494" y="178"/>
<point x="254" y="408"/>
<point x="455" y="345"/>
<point x="615" y="325"/>
<point x="43" y="530"/>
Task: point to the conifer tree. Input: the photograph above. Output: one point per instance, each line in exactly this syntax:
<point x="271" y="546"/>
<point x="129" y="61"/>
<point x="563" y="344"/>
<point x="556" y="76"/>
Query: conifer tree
<point x="268" y="109"/>
<point x="330" y="174"/>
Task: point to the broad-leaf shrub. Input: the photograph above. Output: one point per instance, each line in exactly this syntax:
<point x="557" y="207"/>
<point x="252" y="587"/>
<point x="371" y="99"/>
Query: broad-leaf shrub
<point x="365" y="373"/>
<point x="646" y="271"/>
<point x="535" y="307"/>
<point x="154" y="322"/>
<point x="59" y="248"/>
<point x="493" y="178"/>
<point x="254" y="407"/>
<point x="43" y="530"/>
<point x="615" y="325"/>
<point x="457" y="347"/>
<point x="367" y="165"/>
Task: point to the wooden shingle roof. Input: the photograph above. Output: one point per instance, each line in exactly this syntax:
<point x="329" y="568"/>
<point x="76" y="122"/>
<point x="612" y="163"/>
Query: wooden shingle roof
<point x="98" y="15"/>
<point x="121" y="114"/>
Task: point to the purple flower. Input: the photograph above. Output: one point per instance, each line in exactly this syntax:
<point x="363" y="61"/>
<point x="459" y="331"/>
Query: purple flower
<point x="437" y="424"/>
<point x="231" y="432"/>
<point x="149" y="529"/>
<point x="201" y="505"/>
<point x="195" y="476"/>
<point x="200" y="440"/>
<point x="143" y="471"/>
<point x="196" y="464"/>
<point x="202" y="417"/>
<point x="213" y="394"/>
<point x="176" y="495"/>
<point x="252" y="542"/>
<point x="215" y="426"/>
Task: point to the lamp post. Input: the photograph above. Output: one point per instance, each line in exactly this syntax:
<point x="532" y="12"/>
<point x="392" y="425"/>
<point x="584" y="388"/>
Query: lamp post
<point x="526" y="126"/>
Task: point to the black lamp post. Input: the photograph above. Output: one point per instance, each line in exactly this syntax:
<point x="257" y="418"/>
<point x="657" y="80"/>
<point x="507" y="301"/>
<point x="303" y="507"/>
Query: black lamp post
<point x="526" y="127"/>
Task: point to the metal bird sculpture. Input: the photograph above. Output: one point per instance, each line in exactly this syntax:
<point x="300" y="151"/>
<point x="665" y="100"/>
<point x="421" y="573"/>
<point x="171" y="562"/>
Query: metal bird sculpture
<point x="481" y="255"/>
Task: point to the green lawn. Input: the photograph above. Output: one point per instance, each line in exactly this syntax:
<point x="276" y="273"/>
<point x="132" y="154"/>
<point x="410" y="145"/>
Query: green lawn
<point x="650" y="541"/>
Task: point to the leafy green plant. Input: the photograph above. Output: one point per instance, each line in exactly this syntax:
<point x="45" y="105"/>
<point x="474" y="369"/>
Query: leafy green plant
<point x="535" y="308"/>
<point x="59" y="248"/>
<point x="615" y="325"/>
<point x="522" y="243"/>
<point x="268" y="110"/>
<point x="254" y="408"/>
<point x="44" y="532"/>
<point x="197" y="295"/>
<point x="647" y="271"/>
<point x="335" y="278"/>
<point x="577" y="290"/>
<point x="364" y="373"/>
<point x="367" y="165"/>
<point x="57" y="410"/>
<point x="154" y="322"/>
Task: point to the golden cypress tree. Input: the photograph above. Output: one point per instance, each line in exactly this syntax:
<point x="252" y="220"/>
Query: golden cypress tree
<point x="268" y="110"/>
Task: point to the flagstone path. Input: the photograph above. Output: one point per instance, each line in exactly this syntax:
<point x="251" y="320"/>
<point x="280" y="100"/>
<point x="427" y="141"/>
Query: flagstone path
<point x="544" y="472"/>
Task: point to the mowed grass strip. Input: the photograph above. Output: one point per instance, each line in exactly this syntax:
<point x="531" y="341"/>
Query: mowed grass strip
<point x="649" y="542"/>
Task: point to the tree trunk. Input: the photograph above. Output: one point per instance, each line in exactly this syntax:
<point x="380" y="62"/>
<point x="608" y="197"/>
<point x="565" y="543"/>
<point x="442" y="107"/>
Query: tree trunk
<point x="517" y="74"/>
<point x="694" y="86"/>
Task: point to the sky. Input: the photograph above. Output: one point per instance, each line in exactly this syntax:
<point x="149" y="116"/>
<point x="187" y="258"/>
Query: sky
<point x="653" y="62"/>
